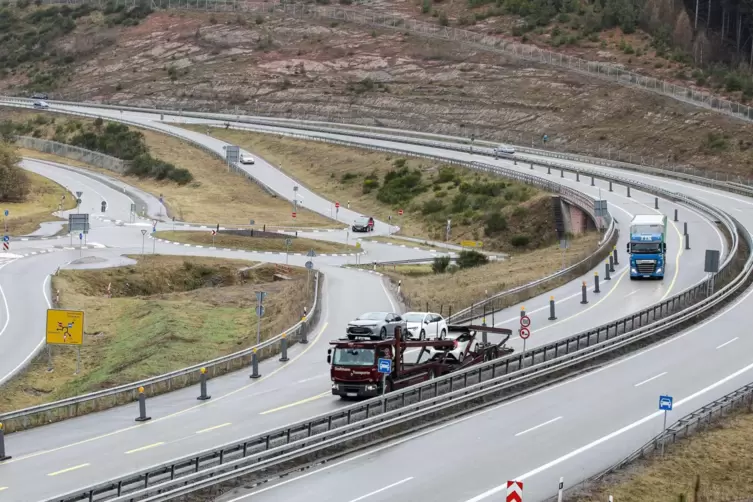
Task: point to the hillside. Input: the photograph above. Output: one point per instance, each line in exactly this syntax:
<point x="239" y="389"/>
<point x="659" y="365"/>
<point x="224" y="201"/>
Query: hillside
<point x="290" y="67"/>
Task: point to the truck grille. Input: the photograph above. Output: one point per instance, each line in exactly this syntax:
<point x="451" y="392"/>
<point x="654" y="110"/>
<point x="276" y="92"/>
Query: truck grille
<point x="646" y="267"/>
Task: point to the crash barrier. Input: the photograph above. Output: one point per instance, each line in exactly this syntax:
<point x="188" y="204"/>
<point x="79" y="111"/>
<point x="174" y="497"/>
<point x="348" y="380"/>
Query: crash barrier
<point x="109" y="398"/>
<point x="351" y="130"/>
<point x="73" y="152"/>
<point x="336" y="432"/>
<point x="691" y="423"/>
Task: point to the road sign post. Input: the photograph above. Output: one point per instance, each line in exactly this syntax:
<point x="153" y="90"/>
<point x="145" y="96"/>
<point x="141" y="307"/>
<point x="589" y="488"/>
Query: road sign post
<point x="260" y="295"/>
<point x="665" y="404"/>
<point x="337" y="210"/>
<point x="64" y="327"/>
<point x="5" y="220"/>
<point x="143" y="241"/>
<point x="309" y="267"/>
<point x="525" y="323"/>
<point x="288" y="242"/>
<point x="385" y="368"/>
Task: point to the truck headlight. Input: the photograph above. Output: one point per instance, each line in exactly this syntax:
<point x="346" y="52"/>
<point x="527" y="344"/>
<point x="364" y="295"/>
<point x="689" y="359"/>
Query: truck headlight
<point x="371" y="387"/>
<point x="335" y="386"/>
<point x="633" y="270"/>
<point x="658" y="270"/>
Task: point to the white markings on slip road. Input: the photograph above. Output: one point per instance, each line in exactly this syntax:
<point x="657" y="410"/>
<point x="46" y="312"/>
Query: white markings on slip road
<point x="538" y="426"/>
<point x="213" y="428"/>
<point x="632" y="293"/>
<point x="727" y="343"/>
<point x="650" y="379"/>
<point x="382" y="489"/>
<point x="153" y="445"/>
<point x="76" y="467"/>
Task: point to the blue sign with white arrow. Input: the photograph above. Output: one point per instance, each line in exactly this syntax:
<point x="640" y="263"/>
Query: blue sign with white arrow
<point x="385" y="366"/>
<point x="7" y="212"/>
<point x="665" y="403"/>
<point x="6" y="238"/>
<point x="80" y="236"/>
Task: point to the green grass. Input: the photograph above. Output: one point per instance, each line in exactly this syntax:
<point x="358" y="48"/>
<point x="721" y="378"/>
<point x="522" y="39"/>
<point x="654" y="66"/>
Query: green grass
<point x="297" y="245"/>
<point x="42" y="201"/>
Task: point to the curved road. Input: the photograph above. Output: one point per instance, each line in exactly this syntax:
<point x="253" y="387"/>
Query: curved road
<point x="289" y="392"/>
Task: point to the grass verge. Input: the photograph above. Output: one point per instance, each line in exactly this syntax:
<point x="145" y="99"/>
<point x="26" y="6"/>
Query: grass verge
<point x="43" y="199"/>
<point x="166" y="313"/>
<point x="463" y="287"/>
<point x="505" y="215"/>
<point x="215" y="194"/>
<point x="722" y="458"/>
<point x="275" y="244"/>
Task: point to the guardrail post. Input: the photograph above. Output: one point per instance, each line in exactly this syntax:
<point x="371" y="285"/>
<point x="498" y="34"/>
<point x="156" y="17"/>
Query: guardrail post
<point x="548" y="170"/>
<point x="3" y="455"/>
<point x="562" y="173"/>
<point x="628" y="191"/>
<point x="142" y="407"/>
<point x="203" y="385"/>
<point x="611" y="263"/>
<point x="596" y="283"/>
<point x="687" y="241"/>
<point x="606" y="272"/>
<point x="254" y="364"/>
<point x="284" y="349"/>
<point x="685" y="228"/>
<point x="614" y="252"/>
<point x="584" y="294"/>
<point x="656" y="202"/>
<point x="675" y="214"/>
<point x="592" y="181"/>
<point x="610" y="186"/>
<point x="552" y="317"/>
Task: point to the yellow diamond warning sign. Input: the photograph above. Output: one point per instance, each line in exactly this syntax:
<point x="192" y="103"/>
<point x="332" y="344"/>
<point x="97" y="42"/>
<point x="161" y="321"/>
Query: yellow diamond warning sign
<point x="65" y="327"/>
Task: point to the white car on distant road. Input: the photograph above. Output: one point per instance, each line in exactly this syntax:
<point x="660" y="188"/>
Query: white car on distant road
<point x="462" y="341"/>
<point x="422" y="325"/>
<point x="504" y="150"/>
<point x="41" y="104"/>
<point x="246" y="159"/>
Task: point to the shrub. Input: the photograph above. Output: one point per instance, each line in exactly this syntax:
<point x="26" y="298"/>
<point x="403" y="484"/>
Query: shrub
<point x="520" y="240"/>
<point x="346" y="177"/>
<point x="400" y="186"/>
<point x="432" y="206"/>
<point x="494" y="223"/>
<point x="14" y="184"/>
<point x="426" y="6"/>
<point x="370" y="182"/>
<point x="440" y="264"/>
<point x="471" y="258"/>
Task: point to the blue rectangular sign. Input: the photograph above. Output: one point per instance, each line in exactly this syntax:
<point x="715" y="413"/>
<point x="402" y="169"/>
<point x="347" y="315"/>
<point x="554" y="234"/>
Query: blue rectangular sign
<point x="385" y="366"/>
<point x="665" y="403"/>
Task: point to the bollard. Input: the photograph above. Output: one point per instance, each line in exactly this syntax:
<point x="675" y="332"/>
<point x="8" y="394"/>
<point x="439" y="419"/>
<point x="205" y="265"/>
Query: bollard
<point x="284" y="350"/>
<point x="610" y="186"/>
<point x="628" y="191"/>
<point x="522" y="311"/>
<point x="592" y="181"/>
<point x="675" y="214"/>
<point x="254" y="365"/>
<point x="584" y="294"/>
<point x="304" y="337"/>
<point x="3" y="456"/>
<point x="685" y="228"/>
<point x="548" y="170"/>
<point x="562" y="173"/>
<point x="142" y="407"/>
<point x="552" y="317"/>
<point x="611" y="263"/>
<point x="596" y="283"/>
<point x="203" y="383"/>
<point x="614" y="252"/>
<point x="687" y="241"/>
<point x="531" y="166"/>
<point x="656" y="202"/>
<point x="577" y="176"/>
<point x="606" y="272"/>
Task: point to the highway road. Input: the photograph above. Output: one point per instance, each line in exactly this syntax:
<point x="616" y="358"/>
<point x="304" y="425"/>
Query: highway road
<point x="291" y="391"/>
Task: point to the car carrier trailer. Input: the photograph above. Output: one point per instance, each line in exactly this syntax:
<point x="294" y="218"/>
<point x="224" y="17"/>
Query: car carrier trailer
<point x="354" y="362"/>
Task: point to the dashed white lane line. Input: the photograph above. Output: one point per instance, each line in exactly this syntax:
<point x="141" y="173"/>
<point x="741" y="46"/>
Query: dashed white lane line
<point x="727" y="342"/>
<point x="538" y="426"/>
<point x="650" y="379"/>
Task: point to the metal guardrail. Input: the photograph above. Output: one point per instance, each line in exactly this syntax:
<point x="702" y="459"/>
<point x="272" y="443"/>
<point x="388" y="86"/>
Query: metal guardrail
<point x="96" y="401"/>
<point x="262" y="452"/>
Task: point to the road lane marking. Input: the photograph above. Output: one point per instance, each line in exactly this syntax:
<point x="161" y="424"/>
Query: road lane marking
<point x="177" y="413"/>
<point x="538" y="426"/>
<point x="202" y="431"/>
<point x="302" y="401"/>
<point x="75" y="467"/>
<point x="650" y="379"/>
<point x="3" y="488"/>
<point x="147" y="447"/>
<point x="382" y="489"/>
<point x="632" y="293"/>
<point x="727" y="343"/>
<point x="389" y="297"/>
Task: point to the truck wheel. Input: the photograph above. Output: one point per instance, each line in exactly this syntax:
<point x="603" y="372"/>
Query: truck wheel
<point x="422" y="335"/>
<point x="383" y="333"/>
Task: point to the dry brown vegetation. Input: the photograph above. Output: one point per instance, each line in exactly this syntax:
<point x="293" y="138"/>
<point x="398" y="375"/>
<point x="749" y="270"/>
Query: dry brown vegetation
<point x="43" y="200"/>
<point x="166" y="313"/>
<point x="459" y="289"/>
<point x="215" y="195"/>
<point x="722" y="456"/>
<point x="277" y="245"/>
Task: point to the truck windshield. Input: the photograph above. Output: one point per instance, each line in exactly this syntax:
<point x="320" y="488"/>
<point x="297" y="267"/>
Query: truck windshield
<point x="646" y="229"/>
<point x="646" y="247"/>
<point x="353" y="357"/>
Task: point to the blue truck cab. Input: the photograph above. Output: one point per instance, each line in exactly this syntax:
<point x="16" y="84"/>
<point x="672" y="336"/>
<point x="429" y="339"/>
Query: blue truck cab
<point x="647" y="247"/>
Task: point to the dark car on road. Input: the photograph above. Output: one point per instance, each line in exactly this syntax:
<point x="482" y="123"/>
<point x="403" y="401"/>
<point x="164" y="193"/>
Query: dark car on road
<point x="376" y="325"/>
<point x="363" y="224"/>
<point x="40" y="95"/>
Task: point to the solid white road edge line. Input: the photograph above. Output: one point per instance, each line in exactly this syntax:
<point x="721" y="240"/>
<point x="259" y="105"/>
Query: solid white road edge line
<point x="382" y="489"/>
<point x="538" y="426"/>
<point x="387" y="294"/>
<point x="650" y="379"/>
<point x="727" y="343"/>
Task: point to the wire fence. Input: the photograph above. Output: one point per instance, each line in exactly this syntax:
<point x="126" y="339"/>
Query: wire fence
<point x="73" y="152"/>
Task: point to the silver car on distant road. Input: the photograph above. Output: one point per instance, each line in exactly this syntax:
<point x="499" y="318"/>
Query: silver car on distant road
<point x="376" y="325"/>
